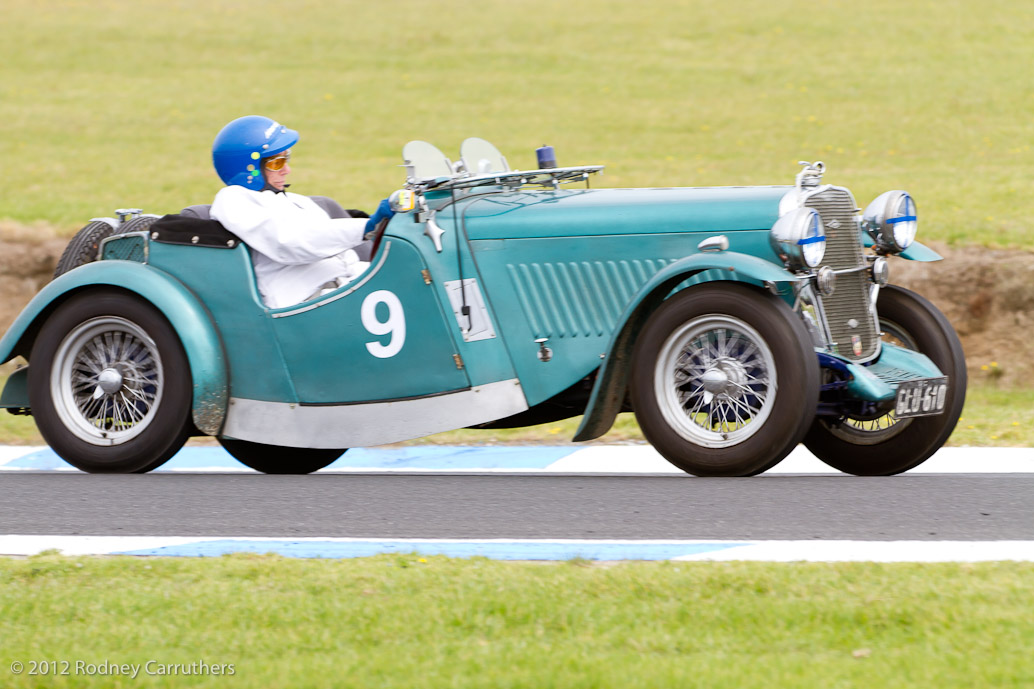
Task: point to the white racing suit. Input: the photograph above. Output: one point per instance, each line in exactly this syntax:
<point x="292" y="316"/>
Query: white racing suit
<point x="296" y="247"/>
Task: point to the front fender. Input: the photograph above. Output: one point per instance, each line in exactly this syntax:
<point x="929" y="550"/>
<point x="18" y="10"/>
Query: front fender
<point x="915" y="252"/>
<point x="180" y="306"/>
<point x="608" y="393"/>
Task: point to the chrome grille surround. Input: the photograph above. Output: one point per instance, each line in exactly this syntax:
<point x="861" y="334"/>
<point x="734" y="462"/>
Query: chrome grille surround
<point x="849" y="312"/>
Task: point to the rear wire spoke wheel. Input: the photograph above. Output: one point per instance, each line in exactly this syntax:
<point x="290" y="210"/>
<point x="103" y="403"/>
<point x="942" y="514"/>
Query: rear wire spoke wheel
<point x="109" y="384"/>
<point x="724" y="380"/>
<point x="887" y="445"/>
<point x="274" y="459"/>
<point x="107" y="380"/>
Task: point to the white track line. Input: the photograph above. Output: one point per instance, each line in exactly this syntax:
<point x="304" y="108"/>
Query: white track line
<point x="602" y="459"/>
<point x="535" y="549"/>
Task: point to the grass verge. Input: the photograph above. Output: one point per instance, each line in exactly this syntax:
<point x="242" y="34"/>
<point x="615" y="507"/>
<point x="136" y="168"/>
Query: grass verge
<point x="409" y="621"/>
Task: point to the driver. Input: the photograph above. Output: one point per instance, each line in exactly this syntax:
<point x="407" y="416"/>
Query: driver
<point x="297" y="249"/>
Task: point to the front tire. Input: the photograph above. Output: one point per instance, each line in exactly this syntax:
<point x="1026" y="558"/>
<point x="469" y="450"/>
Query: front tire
<point x="110" y="384"/>
<point x="886" y="446"/>
<point x="273" y="459"/>
<point x="725" y="380"/>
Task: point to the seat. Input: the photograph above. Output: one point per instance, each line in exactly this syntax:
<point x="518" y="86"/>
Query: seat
<point x="329" y="205"/>
<point x="201" y="212"/>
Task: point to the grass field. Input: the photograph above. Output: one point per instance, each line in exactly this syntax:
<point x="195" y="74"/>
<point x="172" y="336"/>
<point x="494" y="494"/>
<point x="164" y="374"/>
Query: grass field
<point x="109" y="104"/>
<point x="409" y="621"/>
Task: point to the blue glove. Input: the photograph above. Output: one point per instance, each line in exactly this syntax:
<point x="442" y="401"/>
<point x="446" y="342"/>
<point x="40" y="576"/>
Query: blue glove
<point x="383" y="212"/>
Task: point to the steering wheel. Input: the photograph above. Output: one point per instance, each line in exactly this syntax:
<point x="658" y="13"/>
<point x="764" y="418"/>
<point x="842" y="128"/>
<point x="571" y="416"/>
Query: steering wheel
<point x="377" y="235"/>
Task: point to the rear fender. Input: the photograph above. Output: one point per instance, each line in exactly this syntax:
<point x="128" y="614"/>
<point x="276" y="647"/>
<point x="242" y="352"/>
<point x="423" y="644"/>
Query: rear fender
<point x="608" y="393"/>
<point x="185" y="313"/>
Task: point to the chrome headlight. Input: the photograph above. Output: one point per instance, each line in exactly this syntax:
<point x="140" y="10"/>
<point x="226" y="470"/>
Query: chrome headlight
<point x="891" y="221"/>
<point x="799" y="238"/>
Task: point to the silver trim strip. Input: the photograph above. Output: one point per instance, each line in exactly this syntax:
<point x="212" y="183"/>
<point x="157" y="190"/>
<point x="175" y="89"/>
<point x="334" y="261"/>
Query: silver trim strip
<point x="375" y="423"/>
<point x="366" y="277"/>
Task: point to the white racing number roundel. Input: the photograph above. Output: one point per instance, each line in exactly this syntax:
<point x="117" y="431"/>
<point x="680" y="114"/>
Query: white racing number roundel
<point x="395" y="325"/>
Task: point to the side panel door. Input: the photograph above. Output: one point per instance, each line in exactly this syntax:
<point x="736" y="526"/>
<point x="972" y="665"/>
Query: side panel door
<point x="379" y="338"/>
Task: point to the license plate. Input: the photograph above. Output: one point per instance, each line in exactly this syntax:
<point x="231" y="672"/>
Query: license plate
<point x="923" y="397"/>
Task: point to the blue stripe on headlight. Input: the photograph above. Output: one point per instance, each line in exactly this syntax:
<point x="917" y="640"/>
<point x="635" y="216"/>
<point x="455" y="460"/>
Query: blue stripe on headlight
<point x="811" y="240"/>
<point x="903" y="218"/>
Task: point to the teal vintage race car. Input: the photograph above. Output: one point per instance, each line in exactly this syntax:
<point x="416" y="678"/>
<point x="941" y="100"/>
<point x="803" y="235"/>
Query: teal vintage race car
<point x="735" y="322"/>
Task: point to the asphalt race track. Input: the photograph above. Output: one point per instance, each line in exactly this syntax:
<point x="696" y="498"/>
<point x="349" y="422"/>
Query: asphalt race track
<point x="384" y="511"/>
<point x="520" y="506"/>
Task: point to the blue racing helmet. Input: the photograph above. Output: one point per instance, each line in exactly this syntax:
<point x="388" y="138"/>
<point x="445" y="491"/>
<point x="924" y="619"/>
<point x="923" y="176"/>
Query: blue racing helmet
<point x="241" y="145"/>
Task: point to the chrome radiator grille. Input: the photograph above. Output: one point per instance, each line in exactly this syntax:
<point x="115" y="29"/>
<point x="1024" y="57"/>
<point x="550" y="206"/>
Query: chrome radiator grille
<point x="847" y="310"/>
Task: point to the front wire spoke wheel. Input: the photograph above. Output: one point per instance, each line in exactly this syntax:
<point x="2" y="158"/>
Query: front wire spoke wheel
<point x="724" y="380"/>
<point x="715" y="374"/>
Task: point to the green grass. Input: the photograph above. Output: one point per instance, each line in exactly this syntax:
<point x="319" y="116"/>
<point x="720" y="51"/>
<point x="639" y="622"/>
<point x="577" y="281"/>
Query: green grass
<point x="996" y="417"/>
<point x="409" y="621"/>
<point x="109" y="104"/>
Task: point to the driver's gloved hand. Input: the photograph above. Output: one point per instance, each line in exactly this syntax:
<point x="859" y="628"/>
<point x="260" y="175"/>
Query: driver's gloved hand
<point x="383" y="212"/>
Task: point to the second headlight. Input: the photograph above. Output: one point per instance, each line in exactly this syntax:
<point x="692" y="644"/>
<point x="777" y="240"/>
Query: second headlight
<point x="799" y="238"/>
<point x="891" y="221"/>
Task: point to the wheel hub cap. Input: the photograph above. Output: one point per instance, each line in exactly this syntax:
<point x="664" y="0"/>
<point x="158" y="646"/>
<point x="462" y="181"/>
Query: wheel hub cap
<point x="726" y="377"/>
<point x="109" y="381"/>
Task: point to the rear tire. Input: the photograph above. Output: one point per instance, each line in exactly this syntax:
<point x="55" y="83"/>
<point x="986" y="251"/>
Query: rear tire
<point x="110" y="385"/>
<point x="724" y="380"/>
<point x="887" y="445"/>
<point x="274" y="459"/>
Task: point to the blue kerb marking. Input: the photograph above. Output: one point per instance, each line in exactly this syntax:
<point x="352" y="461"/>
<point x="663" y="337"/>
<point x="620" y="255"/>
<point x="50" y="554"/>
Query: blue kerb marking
<point x="456" y="457"/>
<point x="493" y="550"/>
<point x="42" y="460"/>
<point x="903" y="218"/>
<point x="811" y="240"/>
<point x="419" y="457"/>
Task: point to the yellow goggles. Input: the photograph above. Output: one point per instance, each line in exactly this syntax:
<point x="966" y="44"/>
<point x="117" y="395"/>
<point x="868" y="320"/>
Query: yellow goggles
<point x="278" y="162"/>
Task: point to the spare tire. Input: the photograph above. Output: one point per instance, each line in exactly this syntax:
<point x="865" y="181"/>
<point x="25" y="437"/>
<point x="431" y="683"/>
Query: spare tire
<point x="137" y="224"/>
<point x="83" y="247"/>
